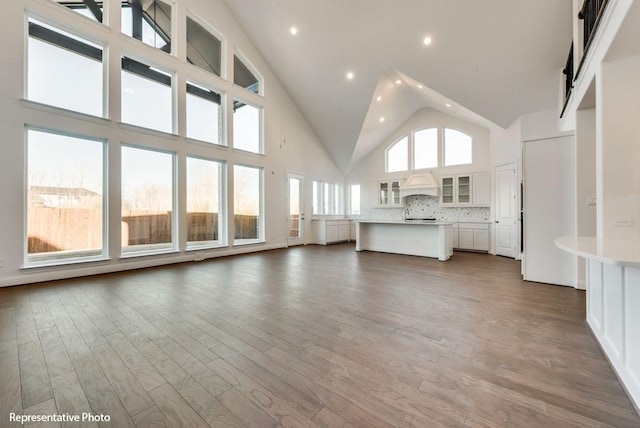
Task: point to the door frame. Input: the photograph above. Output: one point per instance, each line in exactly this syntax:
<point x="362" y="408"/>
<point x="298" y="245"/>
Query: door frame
<point x="299" y="240"/>
<point x="515" y="232"/>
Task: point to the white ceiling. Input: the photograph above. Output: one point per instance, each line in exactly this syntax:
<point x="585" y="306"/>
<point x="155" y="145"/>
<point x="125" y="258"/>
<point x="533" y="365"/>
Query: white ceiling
<point x="492" y="60"/>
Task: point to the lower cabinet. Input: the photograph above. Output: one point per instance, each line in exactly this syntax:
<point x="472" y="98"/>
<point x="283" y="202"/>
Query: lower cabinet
<point x="471" y="236"/>
<point x="331" y="231"/>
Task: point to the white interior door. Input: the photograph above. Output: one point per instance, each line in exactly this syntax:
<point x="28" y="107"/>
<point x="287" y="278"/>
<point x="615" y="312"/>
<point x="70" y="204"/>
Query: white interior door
<point x="506" y="211"/>
<point x="295" y="209"/>
<point x="549" y="195"/>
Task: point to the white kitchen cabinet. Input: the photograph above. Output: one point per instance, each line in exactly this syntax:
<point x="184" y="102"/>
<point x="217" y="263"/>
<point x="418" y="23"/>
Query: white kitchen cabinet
<point x="331" y="231"/>
<point x="472" y="236"/>
<point x="466" y="190"/>
<point x="455" y="235"/>
<point x="352" y="230"/>
<point x="387" y="193"/>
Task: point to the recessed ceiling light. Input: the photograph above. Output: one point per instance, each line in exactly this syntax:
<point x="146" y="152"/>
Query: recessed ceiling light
<point x="398" y="82"/>
<point x="379" y="98"/>
<point x="448" y="105"/>
<point x="427" y="41"/>
<point x="382" y="119"/>
<point x="420" y="86"/>
<point x="350" y="75"/>
<point x="293" y="30"/>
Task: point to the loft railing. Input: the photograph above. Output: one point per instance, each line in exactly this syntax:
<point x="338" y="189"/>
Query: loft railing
<point x="591" y="15"/>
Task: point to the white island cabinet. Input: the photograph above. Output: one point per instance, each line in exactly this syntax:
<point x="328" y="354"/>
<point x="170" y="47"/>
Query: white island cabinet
<point x="613" y="301"/>
<point x="426" y="239"/>
<point x="330" y="231"/>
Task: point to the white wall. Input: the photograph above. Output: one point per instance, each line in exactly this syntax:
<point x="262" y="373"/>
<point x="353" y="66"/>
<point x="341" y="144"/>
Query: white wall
<point x="372" y="168"/>
<point x="290" y="143"/>
<point x="618" y="151"/>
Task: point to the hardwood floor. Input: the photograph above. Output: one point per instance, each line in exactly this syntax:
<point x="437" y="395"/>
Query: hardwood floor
<point x="310" y="336"/>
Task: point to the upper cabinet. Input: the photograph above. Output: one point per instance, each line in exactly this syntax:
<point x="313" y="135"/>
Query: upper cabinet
<point x="387" y="193"/>
<point x="466" y="190"/>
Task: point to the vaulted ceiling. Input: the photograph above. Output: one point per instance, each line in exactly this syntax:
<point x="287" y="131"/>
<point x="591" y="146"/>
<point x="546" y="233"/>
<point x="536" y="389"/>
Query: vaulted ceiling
<point x="491" y="60"/>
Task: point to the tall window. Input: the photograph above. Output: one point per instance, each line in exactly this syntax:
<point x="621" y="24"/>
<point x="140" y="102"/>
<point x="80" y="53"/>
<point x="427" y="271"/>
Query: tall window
<point x="247" y="204"/>
<point x="204" y="114"/>
<point x="246" y="127"/>
<point x="148" y="21"/>
<point x="64" y="70"/>
<point x="146" y="96"/>
<point x="327" y="201"/>
<point x="317" y="195"/>
<point x="458" y="147"/>
<point x="65" y="204"/>
<point x="398" y="156"/>
<point x="205" y="208"/>
<point x="204" y="50"/>
<point x="244" y="77"/>
<point x="147" y="200"/>
<point x="354" y="207"/>
<point x="338" y="199"/>
<point x="425" y="148"/>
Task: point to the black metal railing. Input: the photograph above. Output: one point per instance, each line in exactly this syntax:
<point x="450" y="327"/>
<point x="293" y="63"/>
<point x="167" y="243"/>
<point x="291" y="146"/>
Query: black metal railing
<point x="568" y="74"/>
<point x="590" y="14"/>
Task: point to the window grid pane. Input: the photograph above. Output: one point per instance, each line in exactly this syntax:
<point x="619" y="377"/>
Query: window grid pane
<point x="398" y="156"/>
<point x="247" y="200"/>
<point x="65" y="208"/>
<point x="204" y="114"/>
<point x="204" y="202"/>
<point x="425" y="148"/>
<point x="458" y="148"/>
<point x="147" y="200"/>
<point x="355" y="199"/>
<point x="246" y="127"/>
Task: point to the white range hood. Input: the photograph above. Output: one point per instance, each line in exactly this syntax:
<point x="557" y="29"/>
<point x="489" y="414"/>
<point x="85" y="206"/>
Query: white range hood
<point x="420" y="184"/>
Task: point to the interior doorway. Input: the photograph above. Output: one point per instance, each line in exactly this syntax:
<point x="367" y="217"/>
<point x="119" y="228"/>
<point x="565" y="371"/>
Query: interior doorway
<point x="295" y="209"/>
<point x="506" y="211"/>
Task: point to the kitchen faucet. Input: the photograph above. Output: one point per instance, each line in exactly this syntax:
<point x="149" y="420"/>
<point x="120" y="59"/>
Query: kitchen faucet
<point x="406" y="213"/>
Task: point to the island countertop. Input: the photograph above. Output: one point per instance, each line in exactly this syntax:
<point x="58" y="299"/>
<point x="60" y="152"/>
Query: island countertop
<point x="418" y="222"/>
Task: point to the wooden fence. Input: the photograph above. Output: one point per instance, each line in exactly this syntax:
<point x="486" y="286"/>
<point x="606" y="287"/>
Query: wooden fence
<point x="61" y="229"/>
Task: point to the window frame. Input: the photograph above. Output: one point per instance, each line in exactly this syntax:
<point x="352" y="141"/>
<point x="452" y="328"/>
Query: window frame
<point x="224" y="73"/>
<point x="390" y="147"/>
<point x="253" y="69"/>
<point x="175" y="238"/>
<point x="26" y="263"/>
<point x="223" y="202"/>
<point x="168" y="39"/>
<point x="160" y="69"/>
<point x="261" y="239"/>
<point x="222" y="131"/>
<point x="351" y="211"/>
<point x="73" y="32"/>
<point x="412" y="154"/>
<point x="260" y="109"/>
<point x="444" y="146"/>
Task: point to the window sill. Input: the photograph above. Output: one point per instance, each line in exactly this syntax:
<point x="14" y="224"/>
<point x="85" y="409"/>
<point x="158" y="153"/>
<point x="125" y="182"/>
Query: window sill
<point x="248" y="242"/>
<point x="63" y="111"/>
<point x="147" y="253"/>
<point x="200" y="247"/>
<point x="64" y="263"/>
<point x="149" y="131"/>
<point x="206" y="143"/>
<point x="247" y="152"/>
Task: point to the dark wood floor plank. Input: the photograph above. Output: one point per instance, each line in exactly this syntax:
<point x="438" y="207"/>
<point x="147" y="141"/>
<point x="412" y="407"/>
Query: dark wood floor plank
<point x="34" y="377"/>
<point x="204" y="403"/>
<point x="314" y="335"/>
<point x="266" y="400"/>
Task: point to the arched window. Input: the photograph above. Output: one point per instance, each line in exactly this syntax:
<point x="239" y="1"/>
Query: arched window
<point x="398" y="156"/>
<point x="425" y="148"/>
<point x="458" y="148"/>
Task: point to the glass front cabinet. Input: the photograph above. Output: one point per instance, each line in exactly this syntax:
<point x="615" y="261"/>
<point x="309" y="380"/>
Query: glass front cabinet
<point x="456" y="190"/>
<point x="389" y="193"/>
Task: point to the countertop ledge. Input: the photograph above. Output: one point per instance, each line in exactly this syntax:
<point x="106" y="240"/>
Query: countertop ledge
<point x="614" y="252"/>
<point x="420" y="223"/>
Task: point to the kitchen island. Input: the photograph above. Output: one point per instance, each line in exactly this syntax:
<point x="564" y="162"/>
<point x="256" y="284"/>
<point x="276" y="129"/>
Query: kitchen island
<point x="414" y="238"/>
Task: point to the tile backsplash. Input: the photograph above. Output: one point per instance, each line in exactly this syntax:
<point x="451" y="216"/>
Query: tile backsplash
<point x="429" y="206"/>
